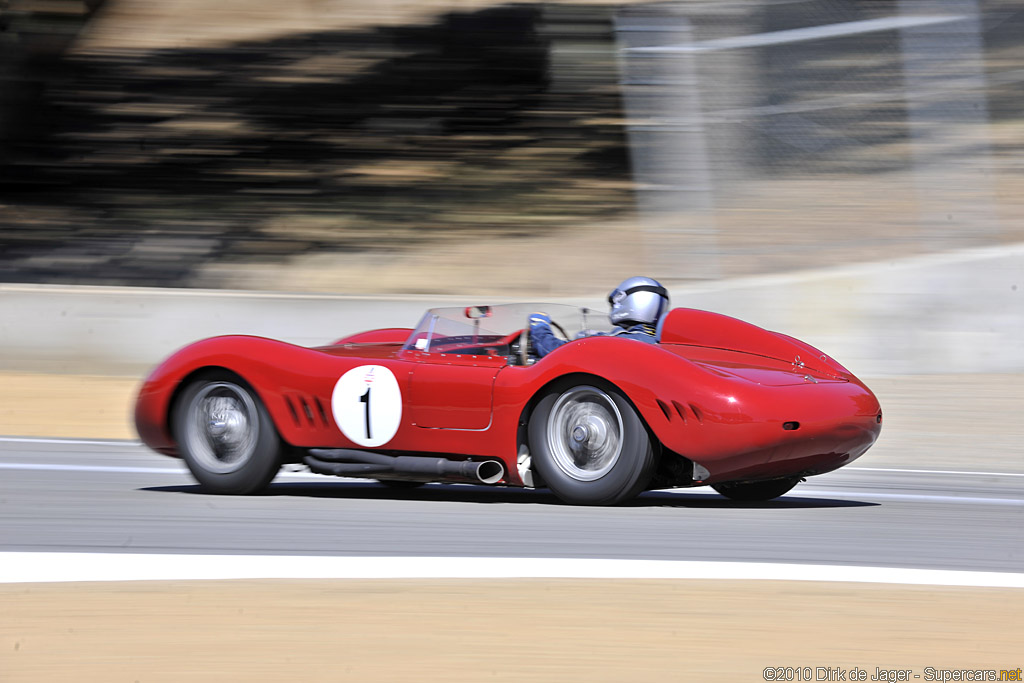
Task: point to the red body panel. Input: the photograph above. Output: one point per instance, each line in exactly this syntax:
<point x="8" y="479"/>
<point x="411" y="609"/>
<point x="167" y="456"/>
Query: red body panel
<point x="467" y="386"/>
<point x="393" y="335"/>
<point x="716" y="390"/>
<point x="692" y="327"/>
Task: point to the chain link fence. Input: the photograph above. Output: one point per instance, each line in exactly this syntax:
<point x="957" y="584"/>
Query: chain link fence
<point x="818" y="132"/>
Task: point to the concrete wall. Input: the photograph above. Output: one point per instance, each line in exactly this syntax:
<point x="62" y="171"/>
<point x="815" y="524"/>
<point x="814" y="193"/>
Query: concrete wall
<point x="956" y="312"/>
<point x="125" y="329"/>
<point x="959" y="312"/>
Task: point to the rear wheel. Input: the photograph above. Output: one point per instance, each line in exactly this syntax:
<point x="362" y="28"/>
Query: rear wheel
<point x="756" y="490"/>
<point x="589" y="445"/>
<point x="225" y="436"/>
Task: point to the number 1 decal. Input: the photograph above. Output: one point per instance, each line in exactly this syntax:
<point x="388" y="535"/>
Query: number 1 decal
<point x="364" y="421"/>
<point x="365" y="398"/>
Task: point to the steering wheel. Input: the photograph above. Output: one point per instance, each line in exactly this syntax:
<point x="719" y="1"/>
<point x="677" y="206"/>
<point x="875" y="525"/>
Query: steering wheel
<point x="524" y="340"/>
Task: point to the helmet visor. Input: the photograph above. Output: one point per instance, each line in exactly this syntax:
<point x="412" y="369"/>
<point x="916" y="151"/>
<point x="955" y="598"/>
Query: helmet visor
<point x="618" y="295"/>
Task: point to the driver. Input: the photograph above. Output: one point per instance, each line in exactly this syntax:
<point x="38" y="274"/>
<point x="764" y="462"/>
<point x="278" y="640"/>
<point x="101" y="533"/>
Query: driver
<point x="637" y="306"/>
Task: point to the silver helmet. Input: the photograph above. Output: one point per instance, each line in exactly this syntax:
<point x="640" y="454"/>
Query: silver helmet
<point x="638" y="300"/>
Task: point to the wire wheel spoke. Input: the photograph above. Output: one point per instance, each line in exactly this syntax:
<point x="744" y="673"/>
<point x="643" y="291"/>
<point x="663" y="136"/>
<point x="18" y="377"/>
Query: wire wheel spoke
<point x="584" y="433"/>
<point x="223" y="427"/>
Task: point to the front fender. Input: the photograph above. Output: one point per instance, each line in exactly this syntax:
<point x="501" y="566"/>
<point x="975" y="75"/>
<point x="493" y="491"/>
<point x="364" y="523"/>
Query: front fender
<point x="265" y="364"/>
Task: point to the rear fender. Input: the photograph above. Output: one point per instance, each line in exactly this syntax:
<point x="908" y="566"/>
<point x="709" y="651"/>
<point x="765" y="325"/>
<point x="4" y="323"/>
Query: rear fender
<point x="646" y="375"/>
<point x="693" y="327"/>
<point x="728" y="424"/>
<point x="563" y="382"/>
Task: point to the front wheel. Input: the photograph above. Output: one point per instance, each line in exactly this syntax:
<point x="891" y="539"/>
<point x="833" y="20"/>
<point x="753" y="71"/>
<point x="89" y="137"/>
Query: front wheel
<point x="751" y="491"/>
<point x="225" y="436"/>
<point x="590" y="446"/>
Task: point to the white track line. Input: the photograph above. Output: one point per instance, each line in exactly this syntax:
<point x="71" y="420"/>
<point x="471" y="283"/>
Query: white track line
<point x="959" y="472"/>
<point x="51" y="467"/>
<point x="118" y="469"/>
<point x="808" y="491"/>
<point x="68" y="442"/>
<point x="133" y="444"/>
<point x="913" y="497"/>
<point x="68" y="567"/>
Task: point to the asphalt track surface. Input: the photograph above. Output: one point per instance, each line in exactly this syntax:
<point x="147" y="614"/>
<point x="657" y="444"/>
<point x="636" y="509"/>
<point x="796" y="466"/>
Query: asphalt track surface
<point x="118" y="497"/>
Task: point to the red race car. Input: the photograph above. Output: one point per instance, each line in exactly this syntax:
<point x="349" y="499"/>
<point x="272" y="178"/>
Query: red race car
<point x="463" y="398"/>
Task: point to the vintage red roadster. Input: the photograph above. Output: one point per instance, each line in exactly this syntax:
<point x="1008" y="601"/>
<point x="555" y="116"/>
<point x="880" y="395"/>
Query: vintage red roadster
<point x="462" y="398"/>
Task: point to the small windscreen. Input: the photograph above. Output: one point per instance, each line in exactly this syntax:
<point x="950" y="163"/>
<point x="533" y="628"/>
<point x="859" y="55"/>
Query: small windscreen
<point x="454" y="329"/>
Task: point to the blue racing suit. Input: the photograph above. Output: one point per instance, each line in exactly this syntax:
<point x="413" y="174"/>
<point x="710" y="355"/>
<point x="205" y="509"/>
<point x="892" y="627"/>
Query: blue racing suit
<point x="545" y="341"/>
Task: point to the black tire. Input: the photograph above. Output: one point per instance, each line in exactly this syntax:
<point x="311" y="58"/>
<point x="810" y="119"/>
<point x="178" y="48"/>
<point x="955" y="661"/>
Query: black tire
<point x="750" y="491"/>
<point x="589" y="445"/>
<point x="226" y="436"/>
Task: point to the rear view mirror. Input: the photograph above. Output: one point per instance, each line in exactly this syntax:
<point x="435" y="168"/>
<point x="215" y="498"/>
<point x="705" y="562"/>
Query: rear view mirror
<point x="475" y="312"/>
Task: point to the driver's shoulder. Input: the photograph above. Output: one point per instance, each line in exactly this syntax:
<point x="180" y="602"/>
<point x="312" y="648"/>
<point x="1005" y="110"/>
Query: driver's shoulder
<point x="637" y="332"/>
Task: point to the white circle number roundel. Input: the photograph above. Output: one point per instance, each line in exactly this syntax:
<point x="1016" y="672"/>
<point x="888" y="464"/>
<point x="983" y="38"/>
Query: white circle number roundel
<point x="367" y="405"/>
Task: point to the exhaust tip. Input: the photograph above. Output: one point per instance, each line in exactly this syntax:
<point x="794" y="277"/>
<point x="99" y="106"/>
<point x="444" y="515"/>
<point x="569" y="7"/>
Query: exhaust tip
<point x="490" y="472"/>
<point x="791" y="426"/>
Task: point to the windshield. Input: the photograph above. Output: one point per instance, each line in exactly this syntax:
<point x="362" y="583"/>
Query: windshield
<point x="465" y="329"/>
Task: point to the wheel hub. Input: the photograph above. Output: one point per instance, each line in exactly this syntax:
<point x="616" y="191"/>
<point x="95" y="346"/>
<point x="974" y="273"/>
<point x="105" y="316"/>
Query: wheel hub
<point x="222" y="427"/>
<point x="227" y="423"/>
<point x="585" y="433"/>
<point x="593" y="432"/>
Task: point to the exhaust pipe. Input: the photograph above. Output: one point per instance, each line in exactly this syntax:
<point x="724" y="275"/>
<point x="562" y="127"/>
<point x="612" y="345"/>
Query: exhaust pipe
<point x="364" y="464"/>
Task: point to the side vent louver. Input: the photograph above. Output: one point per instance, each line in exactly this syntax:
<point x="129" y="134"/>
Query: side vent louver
<point x="291" y="409"/>
<point x="664" y="409"/>
<point x="307" y="411"/>
<point x="320" y="409"/>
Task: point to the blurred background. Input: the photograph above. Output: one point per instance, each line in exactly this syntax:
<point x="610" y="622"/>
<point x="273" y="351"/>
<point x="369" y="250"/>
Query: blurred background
<point x="850" y="172"/>
<point x="513" y="149"/>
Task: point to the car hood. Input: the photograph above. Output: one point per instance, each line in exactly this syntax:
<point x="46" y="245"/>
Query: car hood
<point x="380" y="350"/>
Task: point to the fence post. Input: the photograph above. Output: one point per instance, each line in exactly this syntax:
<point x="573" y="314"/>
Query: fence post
<point x="668" y="150"/>
<point x="948" y="122"/>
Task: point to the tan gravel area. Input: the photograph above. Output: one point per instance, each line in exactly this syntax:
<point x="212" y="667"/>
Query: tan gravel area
<point x="71" y="406"/>
<point x="508" y="630"/>
<point x="961" y="422"/>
